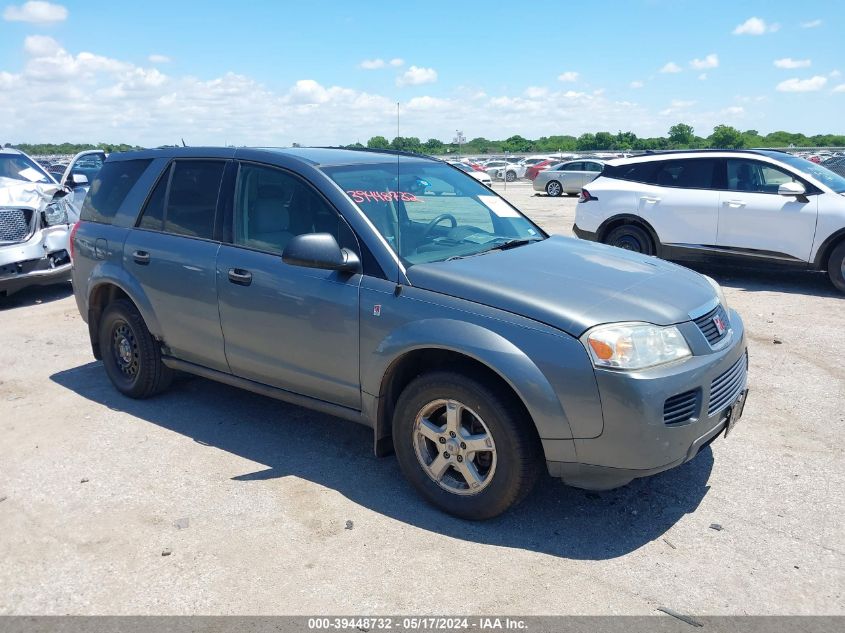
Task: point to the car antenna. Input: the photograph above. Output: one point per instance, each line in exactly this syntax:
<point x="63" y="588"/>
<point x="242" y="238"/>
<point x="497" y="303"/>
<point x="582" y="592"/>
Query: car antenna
<point x="398" y="289"/>
<point x="183" y="143"/>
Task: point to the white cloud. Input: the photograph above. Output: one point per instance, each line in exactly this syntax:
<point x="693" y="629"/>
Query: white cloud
<point x="755" y="26"/>
<point x="372" y="64"/>
<point x="677" y="105"/>
<point x="416" y="76"/>
<point x="702" y="77"/>
<point x="35" y="12"/>
<point x="788" y="62"/>
<point x="375" y="64"/>
<point x="41" y="46"/>
<point x="569" y="75"/>
<point x="802" y="85"/>
<point x="536" y="92"/>
<point x="159" y="59"/>
<point x="734" y="111"/>
<point x="636" y="84"/>
<point x="811" y="24"/>
<point x="711" y="61"/>
<point x="839" y="88"/>
<point x="671" y="67"/>
<point x="834" y="73"/>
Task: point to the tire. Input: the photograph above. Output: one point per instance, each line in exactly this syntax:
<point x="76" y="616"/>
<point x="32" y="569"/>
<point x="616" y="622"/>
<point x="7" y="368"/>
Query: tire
<point x="505" y="474"/>
<point x="554" y="188"/>
<point x="131" y="355"/>
<point x="632" y="238"/>
<point x="510" y="176"/>
<point x="836" y="267"/>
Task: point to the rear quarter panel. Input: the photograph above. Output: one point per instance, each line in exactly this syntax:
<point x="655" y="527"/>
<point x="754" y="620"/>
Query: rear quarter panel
<point x="615" y="197"/>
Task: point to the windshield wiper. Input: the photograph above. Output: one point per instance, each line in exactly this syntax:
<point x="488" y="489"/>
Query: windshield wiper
<point x="501" y="246"/>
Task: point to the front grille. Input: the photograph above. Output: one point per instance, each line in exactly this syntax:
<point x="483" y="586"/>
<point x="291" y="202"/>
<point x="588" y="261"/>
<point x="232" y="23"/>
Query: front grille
<point x="725" y="388"/>
<point x="708" y="326"/>
<point x="14" y="225"/>
<point x="681" y="408"/>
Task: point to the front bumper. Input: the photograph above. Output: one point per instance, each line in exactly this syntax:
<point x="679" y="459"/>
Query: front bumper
<point x="636" y="441"/>
<point x="41" y="260"/>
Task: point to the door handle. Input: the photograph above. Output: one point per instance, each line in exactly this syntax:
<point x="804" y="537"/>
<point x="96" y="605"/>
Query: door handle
<point x="650" y="199"/>
<point x="141" y="257"/>
<point x="734" y="204"/>
<point x="240" y="276"/>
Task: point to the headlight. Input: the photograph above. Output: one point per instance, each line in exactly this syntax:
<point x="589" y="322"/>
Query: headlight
<point x="634" y="345"/>
<point x="719" y="292"/>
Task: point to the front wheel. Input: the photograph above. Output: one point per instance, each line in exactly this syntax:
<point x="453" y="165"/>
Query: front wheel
<point x="836" y="267"/>
<point x="510" y="176"/>
<point x="554" y="189"/>
<point x="466" y="447"/>
<point x="631" y="238"/>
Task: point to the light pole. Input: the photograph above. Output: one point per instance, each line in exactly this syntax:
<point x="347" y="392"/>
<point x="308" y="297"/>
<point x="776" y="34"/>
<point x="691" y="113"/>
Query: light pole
<point x="460" y="139"/>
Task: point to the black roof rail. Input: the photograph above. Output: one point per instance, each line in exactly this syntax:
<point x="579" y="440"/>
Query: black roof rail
<point x="756" y="150"/>
<point x="375" y="150"/>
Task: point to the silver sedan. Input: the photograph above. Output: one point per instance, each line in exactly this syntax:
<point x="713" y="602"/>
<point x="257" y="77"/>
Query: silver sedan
<point x="568" y="177"/>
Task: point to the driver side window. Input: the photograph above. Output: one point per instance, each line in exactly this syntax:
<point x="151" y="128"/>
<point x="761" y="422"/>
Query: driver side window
<point x="272" y="206"/>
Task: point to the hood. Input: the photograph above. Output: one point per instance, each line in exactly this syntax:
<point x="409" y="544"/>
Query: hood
<point x="30" y="195"/>
<point x="571" y="284"/>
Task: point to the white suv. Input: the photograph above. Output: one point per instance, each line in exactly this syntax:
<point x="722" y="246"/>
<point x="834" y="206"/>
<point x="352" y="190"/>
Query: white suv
<point x="751" y="204"/>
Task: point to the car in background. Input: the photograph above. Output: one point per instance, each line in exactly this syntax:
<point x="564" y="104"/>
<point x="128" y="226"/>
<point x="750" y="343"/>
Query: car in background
<point x="531" y="172"/>
<point x="481" y="176"/>
<point x="493" y="166"/>
<point x="80" y="173"/>
<point x="762" y="206"/>
<point x="568" y="178"/>
<point x="836" y="164"/>
<point x="35" y="218"/>
<point x="511" y="172"/>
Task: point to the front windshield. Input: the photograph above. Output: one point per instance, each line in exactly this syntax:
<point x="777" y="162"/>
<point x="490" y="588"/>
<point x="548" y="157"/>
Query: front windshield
<point x="23" y="168"/>
<point x="430" y="212"/>
<point x="819" y="172"/>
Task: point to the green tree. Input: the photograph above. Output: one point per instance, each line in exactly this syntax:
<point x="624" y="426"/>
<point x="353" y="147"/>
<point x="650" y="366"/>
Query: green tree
<point x="625" y="140"/>
<point x="517" y="144"/>
<point x="406" y="144"/>
<point x="585" y="142"/>
<point x="726" y="137"/>
<point x="604" y="140"/>
<point x="434" y="146"/>
<point x="681" y="134"/>
<point x="378" y="142"/>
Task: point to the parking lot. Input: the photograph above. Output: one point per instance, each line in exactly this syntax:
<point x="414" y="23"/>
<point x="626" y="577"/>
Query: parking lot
<point x="213" y="500"/>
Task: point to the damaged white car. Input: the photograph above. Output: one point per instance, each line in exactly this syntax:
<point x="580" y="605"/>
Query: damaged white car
<point x="36" y="216"/>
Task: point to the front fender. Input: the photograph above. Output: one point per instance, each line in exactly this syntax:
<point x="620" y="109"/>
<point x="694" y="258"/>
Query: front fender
<point x="490" y="348"/>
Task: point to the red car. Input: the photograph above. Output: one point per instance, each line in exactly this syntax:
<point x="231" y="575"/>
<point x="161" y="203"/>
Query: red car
<point x="531" y="172"/>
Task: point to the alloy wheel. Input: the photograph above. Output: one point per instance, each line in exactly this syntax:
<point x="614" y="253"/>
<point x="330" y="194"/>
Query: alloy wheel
<point x="454" y="447"/>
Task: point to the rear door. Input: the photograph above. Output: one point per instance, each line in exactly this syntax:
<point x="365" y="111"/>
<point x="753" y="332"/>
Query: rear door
<point x="680" y="202"/>
<point x="287" y="326"/>
<point x="753" y="216"/>
<point x="173" y="251"/>
<point x="592" y="170"/>
<point x="570" y="176"/>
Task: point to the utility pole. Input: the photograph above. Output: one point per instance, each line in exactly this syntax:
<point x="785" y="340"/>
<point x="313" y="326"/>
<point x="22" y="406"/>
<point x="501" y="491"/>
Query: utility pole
<point x="460" y="139"/>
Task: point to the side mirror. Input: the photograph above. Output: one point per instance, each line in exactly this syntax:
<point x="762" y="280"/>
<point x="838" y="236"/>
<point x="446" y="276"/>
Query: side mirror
<point x="78" y="179"/>
<point x="792" y="189"/>
<point x="320" y="250"/>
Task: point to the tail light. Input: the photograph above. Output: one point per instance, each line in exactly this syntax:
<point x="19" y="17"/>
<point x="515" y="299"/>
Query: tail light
<point x="586" y="196"/>
<point x="72" y="236"/>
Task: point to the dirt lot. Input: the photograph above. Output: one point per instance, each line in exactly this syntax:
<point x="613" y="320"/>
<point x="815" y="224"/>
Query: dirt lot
<point x="266" y="508"/>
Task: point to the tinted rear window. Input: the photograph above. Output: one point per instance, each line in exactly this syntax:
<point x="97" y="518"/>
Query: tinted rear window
<point x="690" y="173"/>
<point x="192" y="200"/>
<point x="110" y="188"/>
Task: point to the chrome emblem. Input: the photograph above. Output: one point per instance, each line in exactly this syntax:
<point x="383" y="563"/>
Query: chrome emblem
<point x="720" y="325"/>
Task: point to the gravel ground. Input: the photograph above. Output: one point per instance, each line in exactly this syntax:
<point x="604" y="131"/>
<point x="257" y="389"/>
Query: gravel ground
<point x="265" y="508"/>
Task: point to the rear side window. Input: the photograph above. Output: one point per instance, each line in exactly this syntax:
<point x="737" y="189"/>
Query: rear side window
<point x="638" y="172"/>
<point x="184" y="201"/>
<point x="110" y="188"/>
<point x="690" y="173"/>
<point x="572" y="167"/>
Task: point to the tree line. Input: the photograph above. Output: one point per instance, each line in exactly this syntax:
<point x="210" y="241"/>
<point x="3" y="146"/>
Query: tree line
<point x="680" y="136"/>
<point x="65" y="149"/>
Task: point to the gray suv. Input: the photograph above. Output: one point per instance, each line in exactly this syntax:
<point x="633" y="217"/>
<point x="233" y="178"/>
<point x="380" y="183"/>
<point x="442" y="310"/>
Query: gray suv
<point x="398" y="292"/>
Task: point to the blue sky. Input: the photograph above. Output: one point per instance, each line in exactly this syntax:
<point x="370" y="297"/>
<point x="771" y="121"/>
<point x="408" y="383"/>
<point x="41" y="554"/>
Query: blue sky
<point x="262" y="72"/>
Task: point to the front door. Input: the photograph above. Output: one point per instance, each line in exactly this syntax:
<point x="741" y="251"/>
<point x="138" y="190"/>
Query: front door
<point x="753" y="216"/>
<point x="287" y="326"/>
